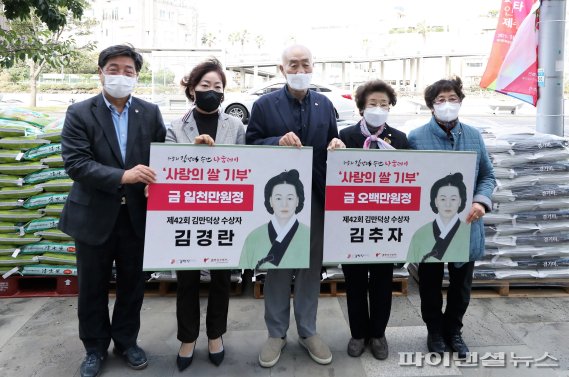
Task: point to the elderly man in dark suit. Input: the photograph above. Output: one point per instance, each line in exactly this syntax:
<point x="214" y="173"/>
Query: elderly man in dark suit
<point x="296" y="116"/>
<point x="106" y="146"/>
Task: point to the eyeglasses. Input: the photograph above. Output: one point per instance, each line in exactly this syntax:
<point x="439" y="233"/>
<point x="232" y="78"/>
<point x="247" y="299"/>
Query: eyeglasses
<point x="441" y="100"/>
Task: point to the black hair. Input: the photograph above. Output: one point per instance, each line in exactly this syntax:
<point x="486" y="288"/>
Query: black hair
<point x="450" y="180"/>
<point x="120" y="50"/>
<point x="290" y="177"/>
<point x="373" y="86"/>
<point x="192" y="79"/>
<point x="441" y="86"/>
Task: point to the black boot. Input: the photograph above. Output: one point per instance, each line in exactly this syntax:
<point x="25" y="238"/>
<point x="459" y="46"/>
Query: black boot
<point x="436" y="342"/>
<point x="92" y="364"/>
<point x="456" y="343"/>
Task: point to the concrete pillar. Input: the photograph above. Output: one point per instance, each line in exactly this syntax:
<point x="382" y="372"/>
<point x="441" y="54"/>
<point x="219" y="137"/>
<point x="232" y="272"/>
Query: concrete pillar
<point x="242" y="73"/>
<point x="324" y="73"/>
<point x="343" y="73"/>
<point x="370" y="73"/>
<point x="447" y="66"/>
<point x="404" y="74"/>
<point x="550" y="59"/>
<point x="351" y="77"/>
<point x="412" y="73"/>
<point x="255" y="75"/>
<point x="420" y="85"/>
<point x="382" y="70"/>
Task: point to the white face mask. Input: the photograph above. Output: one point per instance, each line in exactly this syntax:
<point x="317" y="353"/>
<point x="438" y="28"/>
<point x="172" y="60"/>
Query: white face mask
<point x="119" y="86"/>
<point x="375" y="116"/>
<point x="447" y="111"/>
<point x="299" y="81"/>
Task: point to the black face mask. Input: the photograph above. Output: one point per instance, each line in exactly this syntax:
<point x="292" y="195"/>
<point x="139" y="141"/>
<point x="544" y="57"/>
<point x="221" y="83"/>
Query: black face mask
<point x="209" y="100"/>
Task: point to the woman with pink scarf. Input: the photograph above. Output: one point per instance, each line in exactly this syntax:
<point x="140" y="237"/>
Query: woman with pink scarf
<point x="367" y="324"/>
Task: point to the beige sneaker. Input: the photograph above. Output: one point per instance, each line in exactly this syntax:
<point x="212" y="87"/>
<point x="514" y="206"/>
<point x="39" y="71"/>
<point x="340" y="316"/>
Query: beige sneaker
<point x="271" y="352"/>
<point x="317" y="349"/>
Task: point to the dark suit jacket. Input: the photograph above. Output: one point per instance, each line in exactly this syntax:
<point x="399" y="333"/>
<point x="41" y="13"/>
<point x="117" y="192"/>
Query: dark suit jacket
<point x="270" y="121"/>
<point x="353" y="138"/>
<point x="93" y="160"/>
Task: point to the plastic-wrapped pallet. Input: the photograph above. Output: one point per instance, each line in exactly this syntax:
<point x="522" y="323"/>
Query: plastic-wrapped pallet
<point x="529" y="224"/>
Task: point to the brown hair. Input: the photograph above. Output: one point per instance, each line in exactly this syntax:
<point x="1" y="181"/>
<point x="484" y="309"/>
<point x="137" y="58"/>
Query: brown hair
<point x="192" y="79"/>
<point x="370" y="87"/>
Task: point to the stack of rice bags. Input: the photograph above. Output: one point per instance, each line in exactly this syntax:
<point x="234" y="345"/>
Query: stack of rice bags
<point x="527" y="233"/>
<point x="33" y="189"/>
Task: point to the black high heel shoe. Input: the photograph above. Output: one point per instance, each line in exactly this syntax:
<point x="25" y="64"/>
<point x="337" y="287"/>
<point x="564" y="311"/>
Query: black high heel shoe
<point x="217" y="357"/>
<point x="184" y="362"/>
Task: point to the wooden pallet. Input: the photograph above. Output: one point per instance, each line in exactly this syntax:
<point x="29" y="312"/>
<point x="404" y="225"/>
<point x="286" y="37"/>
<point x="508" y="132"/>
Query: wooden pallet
<point x="38" y="286"/>
<point x="63" y="286"/>
<point x="489" y="288"/>
<point x="154" y="288"/>
<point x="519" y="288"/>
<point x="335" y="288"/>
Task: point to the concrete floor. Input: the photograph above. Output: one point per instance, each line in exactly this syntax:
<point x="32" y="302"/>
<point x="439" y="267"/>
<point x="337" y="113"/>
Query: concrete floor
<point x="38" y="337"/>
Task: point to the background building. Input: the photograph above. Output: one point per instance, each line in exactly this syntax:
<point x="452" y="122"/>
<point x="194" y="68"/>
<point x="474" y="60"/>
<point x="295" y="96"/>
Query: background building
<point x="406" y="42"/>
<point x="145" y="24"/>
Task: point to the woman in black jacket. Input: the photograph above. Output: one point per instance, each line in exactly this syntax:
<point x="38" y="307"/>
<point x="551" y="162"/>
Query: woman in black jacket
<point x="367" y="325"/>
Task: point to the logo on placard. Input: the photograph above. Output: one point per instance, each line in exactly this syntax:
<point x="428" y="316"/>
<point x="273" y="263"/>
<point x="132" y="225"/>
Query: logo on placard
<point x="385" y="255"/>
<point x="182" y="261"/>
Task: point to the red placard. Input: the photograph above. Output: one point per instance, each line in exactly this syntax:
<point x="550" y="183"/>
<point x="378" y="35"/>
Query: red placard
<point x="200" y="197"/>
<point x="373" y="198"/>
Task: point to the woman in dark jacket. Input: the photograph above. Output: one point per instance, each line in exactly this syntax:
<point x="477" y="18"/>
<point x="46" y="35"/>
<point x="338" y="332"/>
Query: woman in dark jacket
<point x="367" y="325"/>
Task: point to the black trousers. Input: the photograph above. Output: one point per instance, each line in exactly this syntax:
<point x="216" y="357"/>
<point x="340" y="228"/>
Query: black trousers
<point x="94" y="267"/>
<point x="458" y="295"/>
<point x="370" y="323"/>
<point x="188" y="304"/>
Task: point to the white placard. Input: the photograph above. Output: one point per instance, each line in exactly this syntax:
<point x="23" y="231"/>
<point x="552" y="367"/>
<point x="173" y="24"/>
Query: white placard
<point x="208" y="206"/>
<point x="378" y="206"/>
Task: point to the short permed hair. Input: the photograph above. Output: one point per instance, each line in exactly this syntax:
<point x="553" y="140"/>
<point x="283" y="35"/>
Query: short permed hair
<point x="290" y="177"/>
<point x="441" y="86"/>
<point x="120" y="50"/>
<point x="373" y="86"/>
<point x="192" y="79"/>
